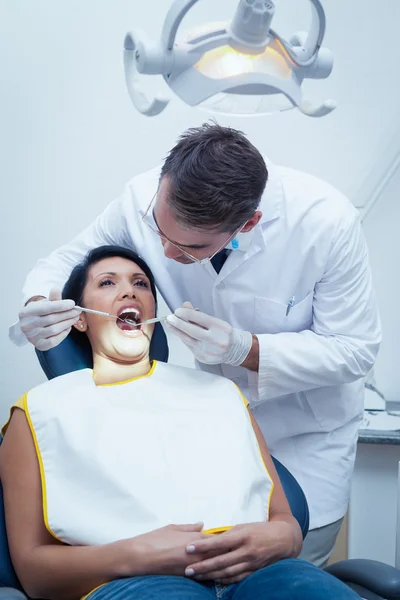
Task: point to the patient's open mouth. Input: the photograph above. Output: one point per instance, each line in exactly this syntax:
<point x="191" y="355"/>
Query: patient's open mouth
<point x="128" y="319"/>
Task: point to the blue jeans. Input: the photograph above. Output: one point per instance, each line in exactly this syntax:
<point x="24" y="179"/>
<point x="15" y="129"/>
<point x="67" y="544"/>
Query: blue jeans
<point x="290" y="579"/>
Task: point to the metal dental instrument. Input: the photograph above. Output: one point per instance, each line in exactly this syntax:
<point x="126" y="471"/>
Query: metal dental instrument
<point x="105" y="314"/>
<point x="156" y="320"/>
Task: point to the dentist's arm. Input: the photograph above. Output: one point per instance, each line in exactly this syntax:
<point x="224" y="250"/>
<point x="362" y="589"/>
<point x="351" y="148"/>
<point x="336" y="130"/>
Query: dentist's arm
<point x="345" y="334"/>
<point x="46" y="320"/>
<point x="340" y="347"/>
<point x="53" y="271"/>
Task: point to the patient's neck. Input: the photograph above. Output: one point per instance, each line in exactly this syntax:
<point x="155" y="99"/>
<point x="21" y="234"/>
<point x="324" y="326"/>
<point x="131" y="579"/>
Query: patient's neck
<point x="107" y="371"/>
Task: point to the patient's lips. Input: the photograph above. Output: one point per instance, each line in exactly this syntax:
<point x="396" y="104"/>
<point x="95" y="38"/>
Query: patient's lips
<point x="128" y="317"/>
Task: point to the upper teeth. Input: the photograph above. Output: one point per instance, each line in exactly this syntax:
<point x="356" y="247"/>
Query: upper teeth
<point x="129" y="311"/>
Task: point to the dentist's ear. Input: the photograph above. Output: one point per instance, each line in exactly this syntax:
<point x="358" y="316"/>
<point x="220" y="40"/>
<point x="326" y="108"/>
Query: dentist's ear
<point x="252" y="222"/>
<point x="81" y="324"/>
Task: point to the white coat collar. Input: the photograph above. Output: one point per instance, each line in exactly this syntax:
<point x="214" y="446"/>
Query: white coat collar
<point x="271" y="200"/>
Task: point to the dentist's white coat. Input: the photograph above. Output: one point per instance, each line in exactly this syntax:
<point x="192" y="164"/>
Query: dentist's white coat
<point x="308" y="394"/>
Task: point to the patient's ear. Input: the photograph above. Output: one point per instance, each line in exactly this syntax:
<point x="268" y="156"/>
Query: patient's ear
<point x="81" y="324"/>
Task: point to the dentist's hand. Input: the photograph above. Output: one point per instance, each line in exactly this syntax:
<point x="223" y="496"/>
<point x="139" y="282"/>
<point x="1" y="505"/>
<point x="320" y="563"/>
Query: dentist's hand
<point x="46" y="323"/>
<point x="211" y="340"/>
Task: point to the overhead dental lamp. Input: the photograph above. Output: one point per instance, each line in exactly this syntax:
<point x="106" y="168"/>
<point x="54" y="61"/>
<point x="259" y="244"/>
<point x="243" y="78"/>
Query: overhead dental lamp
<point x="239" y="68"/>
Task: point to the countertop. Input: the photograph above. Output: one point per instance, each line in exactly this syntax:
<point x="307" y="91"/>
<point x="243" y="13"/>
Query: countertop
<point x="387" y="430"/>
<point x="373" y="436"/>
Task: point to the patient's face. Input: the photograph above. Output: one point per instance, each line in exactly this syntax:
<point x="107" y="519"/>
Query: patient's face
<point x="119" y="287"/>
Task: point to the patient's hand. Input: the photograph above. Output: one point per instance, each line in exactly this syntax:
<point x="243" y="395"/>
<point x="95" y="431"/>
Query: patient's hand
<point x="240" y="551"/>
<point x="163" y="551"/>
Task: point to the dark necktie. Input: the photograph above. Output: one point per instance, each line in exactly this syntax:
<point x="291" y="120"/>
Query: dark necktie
<point x="219" y="259"/>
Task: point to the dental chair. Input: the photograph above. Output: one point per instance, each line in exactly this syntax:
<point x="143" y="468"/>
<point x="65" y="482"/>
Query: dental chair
<point x="370" y="579"/>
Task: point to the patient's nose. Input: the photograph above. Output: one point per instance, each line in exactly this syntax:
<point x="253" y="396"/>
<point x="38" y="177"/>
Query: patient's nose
<point x="129" y="291"/>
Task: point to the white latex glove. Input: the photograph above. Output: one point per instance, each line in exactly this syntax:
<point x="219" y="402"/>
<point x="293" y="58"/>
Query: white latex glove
<point x="45" y="323"/>
<point x="211" y="340"/>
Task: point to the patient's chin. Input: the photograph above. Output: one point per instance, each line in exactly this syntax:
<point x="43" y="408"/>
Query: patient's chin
<point x="132" y="347"/>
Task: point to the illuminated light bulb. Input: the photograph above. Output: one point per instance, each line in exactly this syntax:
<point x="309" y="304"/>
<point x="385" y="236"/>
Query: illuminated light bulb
<point x="225" y="62"/>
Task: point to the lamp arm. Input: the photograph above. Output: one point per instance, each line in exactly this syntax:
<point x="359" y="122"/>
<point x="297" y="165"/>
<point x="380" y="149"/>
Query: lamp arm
<point x="174" y="17"/>
<point x="305" y="56"/>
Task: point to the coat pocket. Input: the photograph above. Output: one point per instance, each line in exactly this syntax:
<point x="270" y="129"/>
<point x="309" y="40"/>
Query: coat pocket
<point x="271" y="316"/>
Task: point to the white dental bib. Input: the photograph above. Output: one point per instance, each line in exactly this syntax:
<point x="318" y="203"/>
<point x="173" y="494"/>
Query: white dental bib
<point x="116" y="461"/>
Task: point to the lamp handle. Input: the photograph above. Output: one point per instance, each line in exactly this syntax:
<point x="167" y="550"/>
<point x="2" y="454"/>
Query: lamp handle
<point x="146" y="106"/>
<point x="313" y="110"/>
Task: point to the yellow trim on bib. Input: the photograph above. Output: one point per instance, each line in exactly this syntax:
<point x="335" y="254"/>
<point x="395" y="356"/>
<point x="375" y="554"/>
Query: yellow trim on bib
<point x="243" y="397"/>
<point x="149" y="374"/>
<point x="86" y="596"/>
<point x="216" y="530"/>
<point x="18" y="404"/>
<point x="247" y="403"/>
<point x="41" y="468"/>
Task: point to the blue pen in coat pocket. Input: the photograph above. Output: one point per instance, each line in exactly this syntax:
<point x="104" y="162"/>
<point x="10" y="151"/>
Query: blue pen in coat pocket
<point x="290" y="304"/>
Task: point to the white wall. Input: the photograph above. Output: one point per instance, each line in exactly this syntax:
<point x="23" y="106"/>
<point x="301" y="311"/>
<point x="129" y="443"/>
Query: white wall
<point x="381" y="227"/>
<point x="373" y="506"/>
<point x="70" y="137"/>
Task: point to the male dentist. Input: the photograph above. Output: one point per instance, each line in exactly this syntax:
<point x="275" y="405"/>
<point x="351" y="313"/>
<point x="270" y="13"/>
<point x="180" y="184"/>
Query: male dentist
<point x="277" y="264"/>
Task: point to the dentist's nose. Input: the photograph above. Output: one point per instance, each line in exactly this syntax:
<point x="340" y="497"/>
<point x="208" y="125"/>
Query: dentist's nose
<point x="170" y="250"/>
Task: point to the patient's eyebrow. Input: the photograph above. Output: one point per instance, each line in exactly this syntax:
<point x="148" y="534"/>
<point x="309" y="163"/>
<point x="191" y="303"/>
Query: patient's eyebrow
<point x="139" y="274"/>
<point x="105" y="273"/>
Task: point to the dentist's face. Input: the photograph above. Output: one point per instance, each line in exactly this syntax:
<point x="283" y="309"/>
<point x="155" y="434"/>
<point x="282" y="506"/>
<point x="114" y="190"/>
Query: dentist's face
<point x="176" y="239"/>
<point x="118" y="286"/>
<point x="187" y="245"/>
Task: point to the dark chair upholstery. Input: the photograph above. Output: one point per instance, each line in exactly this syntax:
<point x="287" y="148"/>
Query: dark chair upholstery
<point x="8" y="577"/>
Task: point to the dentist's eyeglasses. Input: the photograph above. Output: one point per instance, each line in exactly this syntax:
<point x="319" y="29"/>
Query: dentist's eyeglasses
<point x="150" y="221"/>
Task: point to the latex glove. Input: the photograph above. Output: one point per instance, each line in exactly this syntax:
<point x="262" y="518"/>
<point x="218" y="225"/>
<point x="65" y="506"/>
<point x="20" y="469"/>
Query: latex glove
<point x="211" y="340"/>
<point x="46" y="323"/>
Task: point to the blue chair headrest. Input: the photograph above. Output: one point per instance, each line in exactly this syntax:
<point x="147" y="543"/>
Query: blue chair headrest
<point x="295" y="496"/>
<point x="70" y="355"/>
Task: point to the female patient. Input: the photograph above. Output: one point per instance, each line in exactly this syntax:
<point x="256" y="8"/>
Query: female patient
<point x="116" y="478"/>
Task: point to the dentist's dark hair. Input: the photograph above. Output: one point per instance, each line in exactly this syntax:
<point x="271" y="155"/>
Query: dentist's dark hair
<point x="216" y="178"/>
